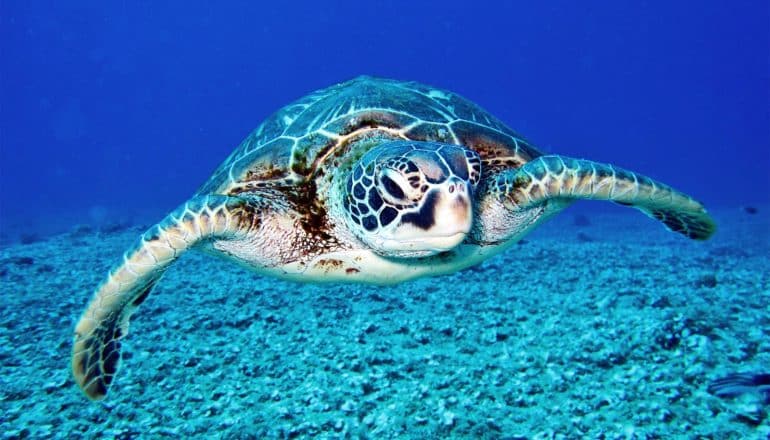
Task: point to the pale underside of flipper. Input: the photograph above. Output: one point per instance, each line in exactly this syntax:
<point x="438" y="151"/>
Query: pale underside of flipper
<point x="558" y="177"/>
<point x="96" y="349"/>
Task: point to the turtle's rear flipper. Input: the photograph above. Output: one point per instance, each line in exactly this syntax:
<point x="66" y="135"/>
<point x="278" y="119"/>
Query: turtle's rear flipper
<point x="96" y="349"/>
<point x="557" y="177"/>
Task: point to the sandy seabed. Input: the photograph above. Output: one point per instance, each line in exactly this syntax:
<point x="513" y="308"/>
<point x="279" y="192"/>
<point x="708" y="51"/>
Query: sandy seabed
<point x="607" y="330"/>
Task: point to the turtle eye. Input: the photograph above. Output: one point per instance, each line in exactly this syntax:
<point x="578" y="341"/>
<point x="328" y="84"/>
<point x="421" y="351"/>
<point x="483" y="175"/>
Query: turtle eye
<point x="392" y="186"/>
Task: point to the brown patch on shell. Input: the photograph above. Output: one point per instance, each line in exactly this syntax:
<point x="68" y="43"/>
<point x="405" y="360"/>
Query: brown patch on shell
<point x="497" y="149"/>
<point x="370" y="124"/>
<point x="431" y="132"/>
<point x="271" y="173"/>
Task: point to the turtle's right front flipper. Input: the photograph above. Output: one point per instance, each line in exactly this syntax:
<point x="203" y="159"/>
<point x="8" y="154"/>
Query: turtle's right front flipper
<point x="96" y="349"/>
<point x="565" y="179"/>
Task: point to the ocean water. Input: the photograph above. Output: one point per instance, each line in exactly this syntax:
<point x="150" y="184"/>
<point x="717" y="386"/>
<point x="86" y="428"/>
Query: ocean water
<point x="600" y="324"/>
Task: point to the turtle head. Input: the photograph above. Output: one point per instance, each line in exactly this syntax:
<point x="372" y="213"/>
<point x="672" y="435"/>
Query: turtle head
<point x="412" y="199"/>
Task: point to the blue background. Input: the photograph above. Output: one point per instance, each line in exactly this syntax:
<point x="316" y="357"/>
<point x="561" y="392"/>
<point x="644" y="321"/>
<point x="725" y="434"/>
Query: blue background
<point x="114" y="110"/>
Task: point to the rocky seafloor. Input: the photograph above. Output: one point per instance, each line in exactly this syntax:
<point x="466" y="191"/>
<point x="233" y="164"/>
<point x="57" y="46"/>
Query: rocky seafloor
<point x="609" y="327"/>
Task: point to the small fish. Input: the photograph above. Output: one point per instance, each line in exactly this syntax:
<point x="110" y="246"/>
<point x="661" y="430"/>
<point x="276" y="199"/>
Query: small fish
<point x="750" y="210"/>
<point x="737" y="384"/>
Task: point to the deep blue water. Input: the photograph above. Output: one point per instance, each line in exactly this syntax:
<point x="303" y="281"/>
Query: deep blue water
<point x="114" y="110"/>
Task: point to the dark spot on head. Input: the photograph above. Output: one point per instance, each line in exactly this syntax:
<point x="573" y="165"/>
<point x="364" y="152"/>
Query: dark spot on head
<point x="369" y="222"/>
<point x="388" y="215"/>
<point x="351" y="270"/>
<point x="375" y="201"/>
<point x="359" y="191"/>
<point x="424" y="218"/>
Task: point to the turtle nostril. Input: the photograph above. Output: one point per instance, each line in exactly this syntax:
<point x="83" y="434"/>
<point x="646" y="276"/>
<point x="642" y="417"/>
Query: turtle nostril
<point x="457" y="187"/>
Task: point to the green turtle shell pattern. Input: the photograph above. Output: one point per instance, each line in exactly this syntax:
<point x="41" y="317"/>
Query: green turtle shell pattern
<point x="293" y="144"/>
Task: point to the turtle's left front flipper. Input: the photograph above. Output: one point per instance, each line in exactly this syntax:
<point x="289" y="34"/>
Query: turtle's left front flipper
<point x="557" y="177"/>
<point x="96" y="349"/>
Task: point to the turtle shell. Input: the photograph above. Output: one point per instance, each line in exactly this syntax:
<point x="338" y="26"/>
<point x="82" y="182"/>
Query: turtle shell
<point x="293" y="144"/>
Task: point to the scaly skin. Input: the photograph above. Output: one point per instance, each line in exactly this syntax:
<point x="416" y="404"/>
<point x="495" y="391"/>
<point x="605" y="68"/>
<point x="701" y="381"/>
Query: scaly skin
<point x="557" y="177"/>
<point x="96" y="350"/>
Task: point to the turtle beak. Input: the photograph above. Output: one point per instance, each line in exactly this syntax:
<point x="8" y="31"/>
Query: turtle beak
<point x="442" y="223"/>
<point x="453" y="214"/>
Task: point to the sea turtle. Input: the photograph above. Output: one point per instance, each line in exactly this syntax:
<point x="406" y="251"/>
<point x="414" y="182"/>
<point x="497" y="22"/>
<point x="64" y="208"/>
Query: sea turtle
<point x="373" y="181"/>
